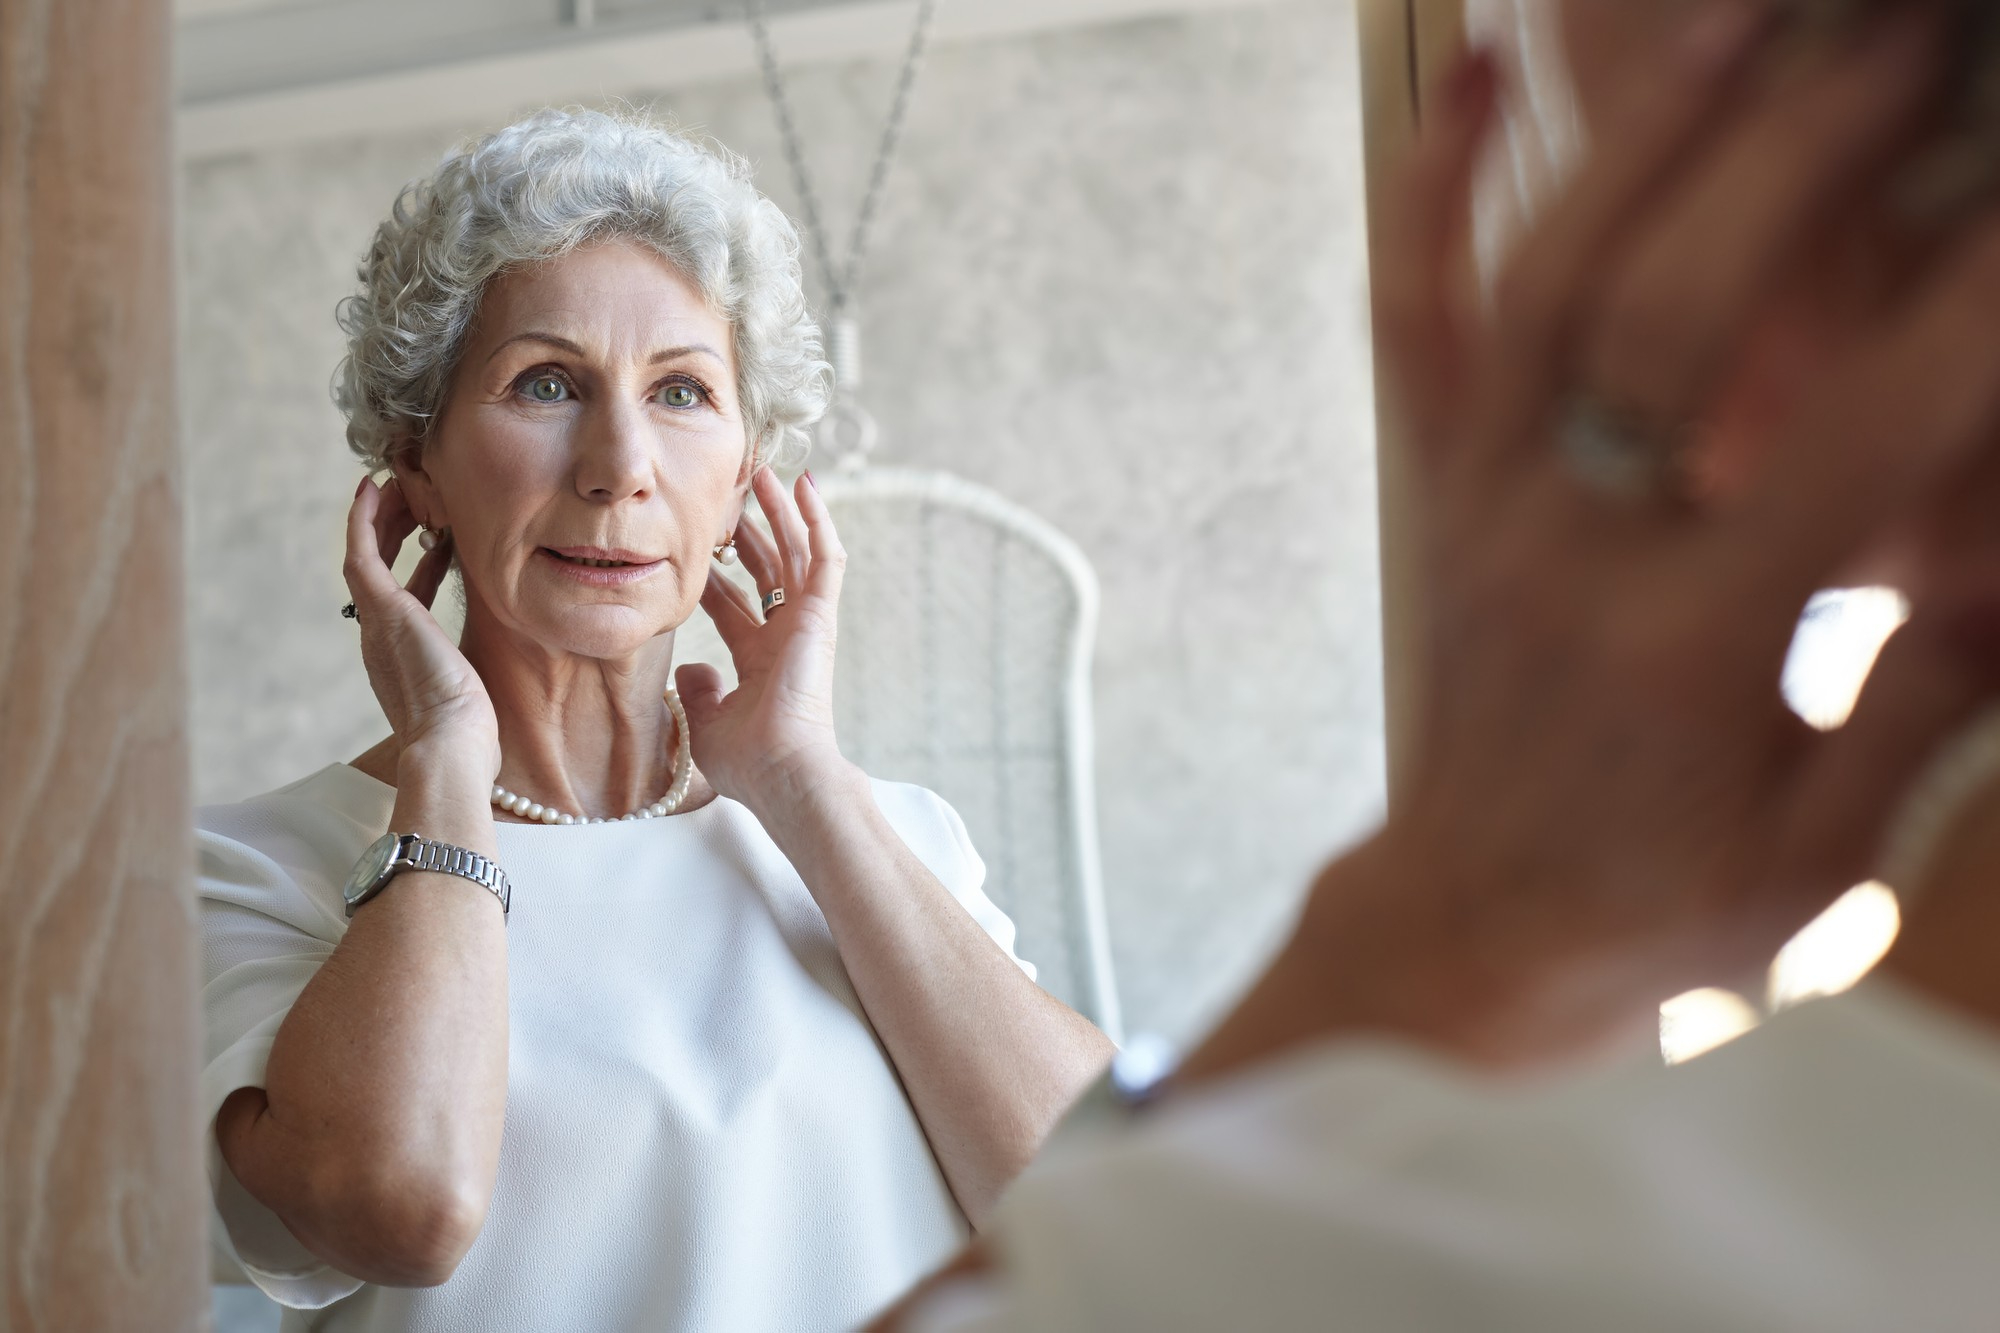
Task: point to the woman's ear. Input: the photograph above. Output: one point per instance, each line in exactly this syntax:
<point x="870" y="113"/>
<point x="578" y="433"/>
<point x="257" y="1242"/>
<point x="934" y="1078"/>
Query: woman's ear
<point x="739" y="505"/>
<point x="753" y="458"/>
<point x="739" y="494"/>
<point x="426" y="504"/>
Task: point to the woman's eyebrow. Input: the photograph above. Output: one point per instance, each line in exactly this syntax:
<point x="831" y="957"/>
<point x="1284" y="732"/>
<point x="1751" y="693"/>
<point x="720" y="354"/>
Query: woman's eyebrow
<point x="689" y="349"/>
<point x="536" y="336"/>
<point x="574" y="349"/>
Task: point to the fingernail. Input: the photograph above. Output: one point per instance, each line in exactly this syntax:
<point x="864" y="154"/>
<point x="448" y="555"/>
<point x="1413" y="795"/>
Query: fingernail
<point x="809" y="479"/>
<point x="1721" y="34"/>
<point x="360" y="486"/>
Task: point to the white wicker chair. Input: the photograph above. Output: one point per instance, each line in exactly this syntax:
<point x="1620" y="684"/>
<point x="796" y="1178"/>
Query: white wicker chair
<point x="966" y="631"/>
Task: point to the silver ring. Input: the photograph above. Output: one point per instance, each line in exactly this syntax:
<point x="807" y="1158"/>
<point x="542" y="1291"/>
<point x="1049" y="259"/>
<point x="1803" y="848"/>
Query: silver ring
<point x="1618" y="452"/>
<point x="773" y="600"/>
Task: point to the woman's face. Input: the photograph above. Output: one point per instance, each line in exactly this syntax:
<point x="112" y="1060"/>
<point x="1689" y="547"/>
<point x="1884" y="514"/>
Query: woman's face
<point x="591" y="451"/>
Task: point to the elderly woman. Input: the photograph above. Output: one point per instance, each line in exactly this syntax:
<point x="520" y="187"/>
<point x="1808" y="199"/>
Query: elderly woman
<point x="757" y="1040"/>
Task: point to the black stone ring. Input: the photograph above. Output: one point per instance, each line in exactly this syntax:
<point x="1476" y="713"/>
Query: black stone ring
<point x="350" y="612"/>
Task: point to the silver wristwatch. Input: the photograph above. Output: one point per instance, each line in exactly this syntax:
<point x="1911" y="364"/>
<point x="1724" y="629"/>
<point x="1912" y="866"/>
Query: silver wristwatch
<point x="393" y="853"/>
<point x="1141" y="1073"/>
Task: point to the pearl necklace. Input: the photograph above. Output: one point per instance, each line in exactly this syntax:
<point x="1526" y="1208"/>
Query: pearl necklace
<point x="676" y="794"/>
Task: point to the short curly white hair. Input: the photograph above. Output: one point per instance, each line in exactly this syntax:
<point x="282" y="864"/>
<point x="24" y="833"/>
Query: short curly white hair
<point x="539" y="189"/>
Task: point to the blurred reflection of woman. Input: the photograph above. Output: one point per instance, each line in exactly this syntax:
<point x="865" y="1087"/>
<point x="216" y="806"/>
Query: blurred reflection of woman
<point x="757" y="1038"/>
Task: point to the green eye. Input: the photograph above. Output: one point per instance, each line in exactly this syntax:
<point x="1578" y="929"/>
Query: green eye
<point x="679" y="395"/>
<point x="547" y="389"/>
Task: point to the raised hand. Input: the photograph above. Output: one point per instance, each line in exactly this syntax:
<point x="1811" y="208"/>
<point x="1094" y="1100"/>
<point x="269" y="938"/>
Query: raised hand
<point x="1606" y="800"/>
<point x="771" y="738"/>
<point x="432" y="697"/>
<point x="1608" y="785"/>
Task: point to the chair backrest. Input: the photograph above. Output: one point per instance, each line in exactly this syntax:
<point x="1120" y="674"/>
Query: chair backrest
<point x="966" y="631"/>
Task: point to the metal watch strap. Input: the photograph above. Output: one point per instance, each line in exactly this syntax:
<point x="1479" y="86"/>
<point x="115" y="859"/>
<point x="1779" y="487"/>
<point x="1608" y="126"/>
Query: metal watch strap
<point x="414" y="852"/>
<point x="447" y="859"/>
<point x="1140" y="1074"/>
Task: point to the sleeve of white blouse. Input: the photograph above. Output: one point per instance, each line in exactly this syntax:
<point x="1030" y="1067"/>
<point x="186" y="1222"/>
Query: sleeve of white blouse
<point x="1250" y="1209"/>
<point x="933" y="830"/>
<point x="263" y="936"/>
<point x="1373" y="1186"/>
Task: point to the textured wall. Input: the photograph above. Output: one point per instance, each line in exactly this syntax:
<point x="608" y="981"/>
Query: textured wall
<point x="1119" y="277"/>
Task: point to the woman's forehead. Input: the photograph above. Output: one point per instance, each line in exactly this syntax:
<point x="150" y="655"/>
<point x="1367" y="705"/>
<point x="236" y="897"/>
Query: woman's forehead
<point x="614" y="297"/>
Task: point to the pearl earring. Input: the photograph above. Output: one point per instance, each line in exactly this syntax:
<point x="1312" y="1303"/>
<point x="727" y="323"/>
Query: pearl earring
<point x="428" y="538"/>
<point x="726" y="553"/>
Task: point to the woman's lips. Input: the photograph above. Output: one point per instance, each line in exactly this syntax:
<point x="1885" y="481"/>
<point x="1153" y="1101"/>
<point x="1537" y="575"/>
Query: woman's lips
<point x="623" y="566"/>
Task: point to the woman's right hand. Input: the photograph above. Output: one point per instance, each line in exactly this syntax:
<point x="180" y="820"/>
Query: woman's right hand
<point x="377" y="1143"/>
<point x="434" y="700"/>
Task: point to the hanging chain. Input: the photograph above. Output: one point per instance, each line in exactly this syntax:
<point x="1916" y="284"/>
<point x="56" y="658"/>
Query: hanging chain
<point x="840" y="280"/>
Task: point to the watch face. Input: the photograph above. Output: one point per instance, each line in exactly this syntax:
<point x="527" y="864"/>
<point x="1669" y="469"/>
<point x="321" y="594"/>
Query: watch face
<point x="368" y="870"/>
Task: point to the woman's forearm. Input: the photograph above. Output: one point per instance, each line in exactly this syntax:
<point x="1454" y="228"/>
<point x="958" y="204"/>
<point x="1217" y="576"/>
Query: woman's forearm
<point x="377" y="1132"/>
<point x="1365" y="959"/>
<point x="1393" y="945"/>
<point x="991" y="1061"/>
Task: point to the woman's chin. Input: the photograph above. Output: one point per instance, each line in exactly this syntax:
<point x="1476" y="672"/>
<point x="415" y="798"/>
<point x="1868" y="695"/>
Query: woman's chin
<point x="604" y="633"/>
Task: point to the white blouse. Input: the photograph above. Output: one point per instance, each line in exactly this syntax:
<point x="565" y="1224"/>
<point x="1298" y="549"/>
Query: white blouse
<point x="703" y="1131"/>
<point x="1833" y="1172"/>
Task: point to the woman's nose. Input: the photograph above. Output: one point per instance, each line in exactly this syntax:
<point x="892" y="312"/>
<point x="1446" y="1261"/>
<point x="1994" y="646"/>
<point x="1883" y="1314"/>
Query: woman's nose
<point x="614" y="460"/>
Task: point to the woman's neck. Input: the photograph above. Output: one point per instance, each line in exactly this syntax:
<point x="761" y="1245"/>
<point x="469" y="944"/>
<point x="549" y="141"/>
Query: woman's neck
<point x="588" y="736"/>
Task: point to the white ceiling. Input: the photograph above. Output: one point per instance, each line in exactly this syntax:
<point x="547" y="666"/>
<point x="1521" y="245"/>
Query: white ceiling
<point x="236" y="48"/>
<point x="254" y="73"/>
<point x="201" y="9"/>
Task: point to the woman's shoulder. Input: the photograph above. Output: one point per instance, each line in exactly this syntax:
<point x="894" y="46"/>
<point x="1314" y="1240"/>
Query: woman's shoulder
<point x="907" y="800"/>
<point x="290" y="848"/>
<point x="924" y="820"/>
<point x="932" y="829"/>
<point x="927" y="822"/>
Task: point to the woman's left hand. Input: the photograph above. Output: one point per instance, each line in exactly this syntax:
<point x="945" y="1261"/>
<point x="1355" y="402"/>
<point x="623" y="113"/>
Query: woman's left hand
<point x="1605" y="800"/>
<point x="990" y="1060"/>
<point x="771" y="738"/>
